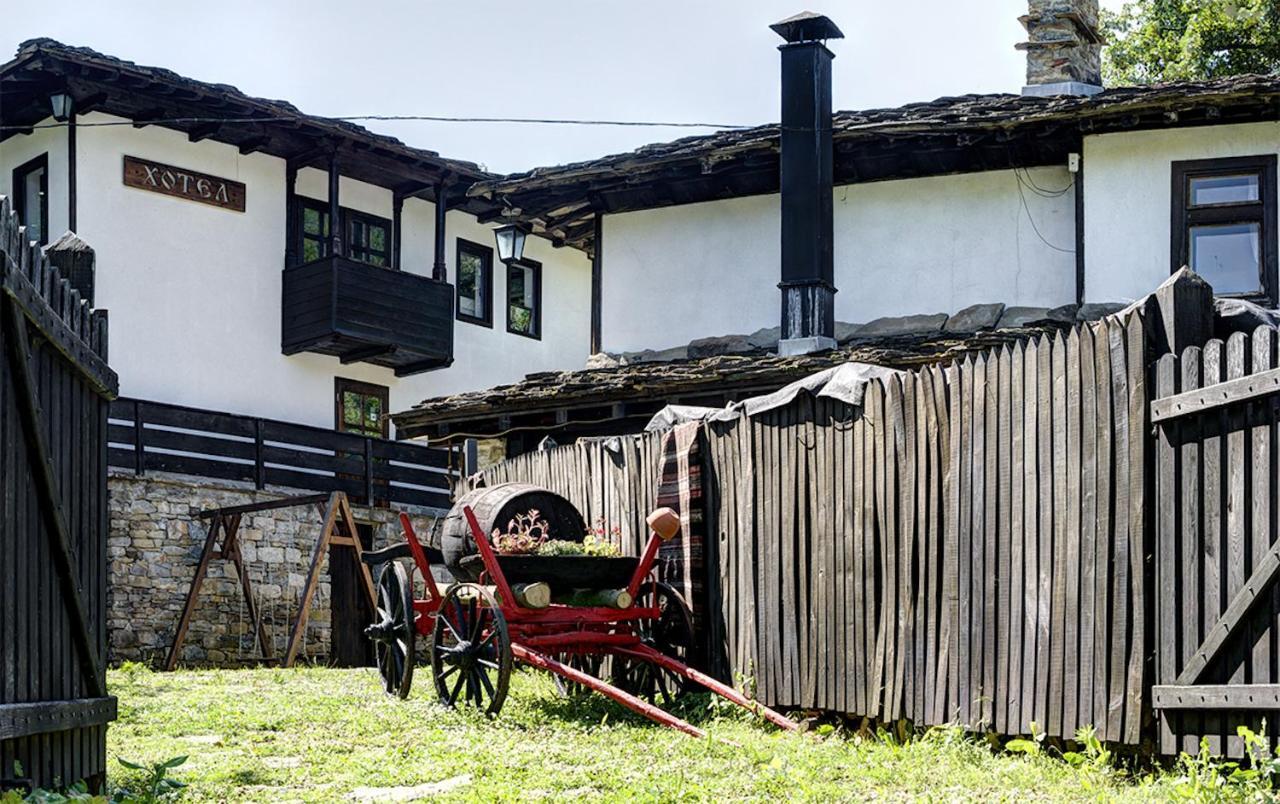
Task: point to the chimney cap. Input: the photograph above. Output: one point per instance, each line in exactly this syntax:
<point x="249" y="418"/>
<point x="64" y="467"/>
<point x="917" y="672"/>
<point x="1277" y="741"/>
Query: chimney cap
<point x="807" y="27"/>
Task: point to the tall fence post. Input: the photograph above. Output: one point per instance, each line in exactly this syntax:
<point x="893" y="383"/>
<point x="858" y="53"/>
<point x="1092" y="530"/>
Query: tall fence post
<point x="368" y="471"/>
<point x="1184" y="305"/>
<point x="259" y="468"/>
<point x="139" y="445"/>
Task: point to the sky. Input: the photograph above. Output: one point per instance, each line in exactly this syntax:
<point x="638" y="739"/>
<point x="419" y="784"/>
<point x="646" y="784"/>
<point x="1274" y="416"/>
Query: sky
<point x="654" y="60"/>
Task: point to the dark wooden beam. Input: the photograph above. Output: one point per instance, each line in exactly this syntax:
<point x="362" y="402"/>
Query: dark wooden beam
<point x="438" y="268"/>
<point x="430" y="364"/>
<point x="597" y="266"/>
<point x="254" y="144"/>
<point x="335" y="208"/>
<point x="367" y="353"/>
<point x="203" y="131"/>
<point x="397" y="225"/>
<point x="143" y="117"/>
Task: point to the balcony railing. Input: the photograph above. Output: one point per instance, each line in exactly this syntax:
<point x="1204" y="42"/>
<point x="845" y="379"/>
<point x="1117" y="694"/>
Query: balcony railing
<point x="363" y="313"/>
<point x="151" y="436"/>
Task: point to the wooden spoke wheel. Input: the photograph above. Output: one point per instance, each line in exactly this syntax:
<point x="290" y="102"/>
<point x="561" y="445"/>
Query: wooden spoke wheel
<point x="671" y="634"/>
<point x="586" y="663"/>
<point x="471" y="650"/>
<point x="394" y="634"/>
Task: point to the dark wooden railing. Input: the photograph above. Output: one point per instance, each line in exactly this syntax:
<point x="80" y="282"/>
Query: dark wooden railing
<point x="151" y="436"/>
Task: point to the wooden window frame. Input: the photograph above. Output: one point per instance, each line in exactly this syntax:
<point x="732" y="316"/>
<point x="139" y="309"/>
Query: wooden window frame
<point x="41" y="162"/>
<point x="1263" y="212"/>
<point x="486" y="257"/>
<point x="343" y="384"/>
<point x="350" y="216"/>
<point x="537" y="298"/>
<point x="303" y="202"/>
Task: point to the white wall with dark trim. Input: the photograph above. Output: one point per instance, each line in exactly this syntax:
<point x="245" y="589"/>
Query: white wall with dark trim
<point x="930" y="245"/>
<point x="19" y="150"/>
<point x="1128" y="197"/>
<point x="194" y="291"/>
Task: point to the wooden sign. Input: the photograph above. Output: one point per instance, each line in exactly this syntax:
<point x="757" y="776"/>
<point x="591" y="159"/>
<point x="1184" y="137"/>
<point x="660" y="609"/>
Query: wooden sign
<point x="181" y="183"/>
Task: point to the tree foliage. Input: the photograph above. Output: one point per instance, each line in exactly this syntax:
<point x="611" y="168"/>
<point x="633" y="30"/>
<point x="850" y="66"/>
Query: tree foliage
<point x="1171" y="40"/>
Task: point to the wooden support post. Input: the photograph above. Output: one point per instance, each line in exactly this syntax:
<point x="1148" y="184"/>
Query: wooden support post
<point x="335" y="209"/>
<point x="337" y="515"/>
<point x="439" y="271"/>
<point x="193" y="593"/>
<point x="597" y="267"/>
<point x="231" y="550"/>
<point x="397" y="225"/>
<point x="291" y="222"/>
<point x="64" y="558"/>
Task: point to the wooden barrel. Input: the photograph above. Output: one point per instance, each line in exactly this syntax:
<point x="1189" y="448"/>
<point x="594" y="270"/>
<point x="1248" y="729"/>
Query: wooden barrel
<point x="494" y="507"/>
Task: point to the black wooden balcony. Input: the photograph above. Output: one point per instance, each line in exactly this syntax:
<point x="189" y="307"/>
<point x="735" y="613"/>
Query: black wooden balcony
<point x="363" y="313"/>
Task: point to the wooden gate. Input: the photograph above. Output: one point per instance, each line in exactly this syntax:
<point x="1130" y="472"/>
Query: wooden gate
<point x="1216" y="411"/>
<point x="55" y="386"/>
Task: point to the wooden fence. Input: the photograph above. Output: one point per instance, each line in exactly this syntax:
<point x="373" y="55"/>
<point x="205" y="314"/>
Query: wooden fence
<point x="967" y="546"/>
<point x="150" y="436"/>
<point x="54" y="389"/>
<point x="1217" y="557"/>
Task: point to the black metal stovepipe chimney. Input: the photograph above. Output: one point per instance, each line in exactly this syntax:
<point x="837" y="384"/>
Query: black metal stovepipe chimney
<point x="808" y="273"/>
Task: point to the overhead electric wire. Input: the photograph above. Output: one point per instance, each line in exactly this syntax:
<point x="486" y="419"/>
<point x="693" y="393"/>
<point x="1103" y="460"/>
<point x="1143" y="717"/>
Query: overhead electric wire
<point x="390" y="118"/>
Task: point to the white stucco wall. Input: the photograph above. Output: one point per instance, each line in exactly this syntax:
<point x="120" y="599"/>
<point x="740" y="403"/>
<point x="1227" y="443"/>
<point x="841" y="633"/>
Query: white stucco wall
<point x="194" y="290"/>
<point x="1128" y="193"/>
<point x="901" y="247"/>
<point x="21" y="149"/>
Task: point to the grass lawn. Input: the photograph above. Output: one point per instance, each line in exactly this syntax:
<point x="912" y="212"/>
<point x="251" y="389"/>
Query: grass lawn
<point x="313" y="734"/>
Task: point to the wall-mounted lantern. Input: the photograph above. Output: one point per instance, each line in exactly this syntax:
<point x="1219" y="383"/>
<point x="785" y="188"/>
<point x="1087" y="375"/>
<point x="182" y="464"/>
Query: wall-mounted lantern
<point x="510" y="237"/>
<point x="61" y="103"/>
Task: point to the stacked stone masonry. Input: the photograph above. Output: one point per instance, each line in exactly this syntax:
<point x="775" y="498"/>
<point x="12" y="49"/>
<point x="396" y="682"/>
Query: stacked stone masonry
<point x="154" y="546"/>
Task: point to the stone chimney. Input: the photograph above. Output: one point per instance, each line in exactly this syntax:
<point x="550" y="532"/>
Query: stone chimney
<point x="1064" y="48"/>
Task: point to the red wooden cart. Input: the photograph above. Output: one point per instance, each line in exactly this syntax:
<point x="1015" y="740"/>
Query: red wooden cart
<point x="479" y="630"/>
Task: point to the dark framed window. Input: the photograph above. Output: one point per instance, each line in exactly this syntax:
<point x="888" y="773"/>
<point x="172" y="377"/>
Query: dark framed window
<point x="31" y="197"/>
<point x="524" y="298"/>
<point x="361" y="407"/>
<point x="368" y="237"/>
<point x="474" y="281"/>
<point x="1224" y="224"/>
<point x="313" y="228"/>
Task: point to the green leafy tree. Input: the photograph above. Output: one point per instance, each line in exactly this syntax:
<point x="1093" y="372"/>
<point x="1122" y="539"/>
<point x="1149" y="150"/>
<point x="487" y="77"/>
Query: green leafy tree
<point x="1174" y="40"/>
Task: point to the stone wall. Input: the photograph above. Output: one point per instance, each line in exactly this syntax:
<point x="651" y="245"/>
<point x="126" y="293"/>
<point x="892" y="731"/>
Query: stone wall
<point x="154" y="546"/>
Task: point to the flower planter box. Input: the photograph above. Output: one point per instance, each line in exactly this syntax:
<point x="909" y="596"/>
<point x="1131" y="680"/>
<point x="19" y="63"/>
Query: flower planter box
<point x="564" y="573"/>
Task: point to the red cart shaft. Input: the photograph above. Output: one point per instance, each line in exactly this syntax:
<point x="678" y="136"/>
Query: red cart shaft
<point x="633" y="703"/>
<point x="648" y="654"/>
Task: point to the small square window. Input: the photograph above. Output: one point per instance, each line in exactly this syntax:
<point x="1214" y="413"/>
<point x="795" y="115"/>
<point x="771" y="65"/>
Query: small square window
<point x="474" y="280"/>
<point x="361" y="407"/>
<point x="1224" y="224"/>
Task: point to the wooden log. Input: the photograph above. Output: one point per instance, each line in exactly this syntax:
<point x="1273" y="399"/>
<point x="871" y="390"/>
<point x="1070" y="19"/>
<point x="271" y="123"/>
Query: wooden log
<point x="609" y="598"/>
<point x="536" y="595"/>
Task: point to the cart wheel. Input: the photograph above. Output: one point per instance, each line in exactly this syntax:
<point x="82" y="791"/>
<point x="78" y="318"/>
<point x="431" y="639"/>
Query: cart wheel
<point x="394" y="634"/>
<point x="587" y="663"/>
<point x="471" y="649"/>
<point x="671" y="634"/>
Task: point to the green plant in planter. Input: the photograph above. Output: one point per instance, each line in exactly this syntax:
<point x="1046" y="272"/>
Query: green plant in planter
<point x="589" y="546"/>
<point x="525" y="534"/>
